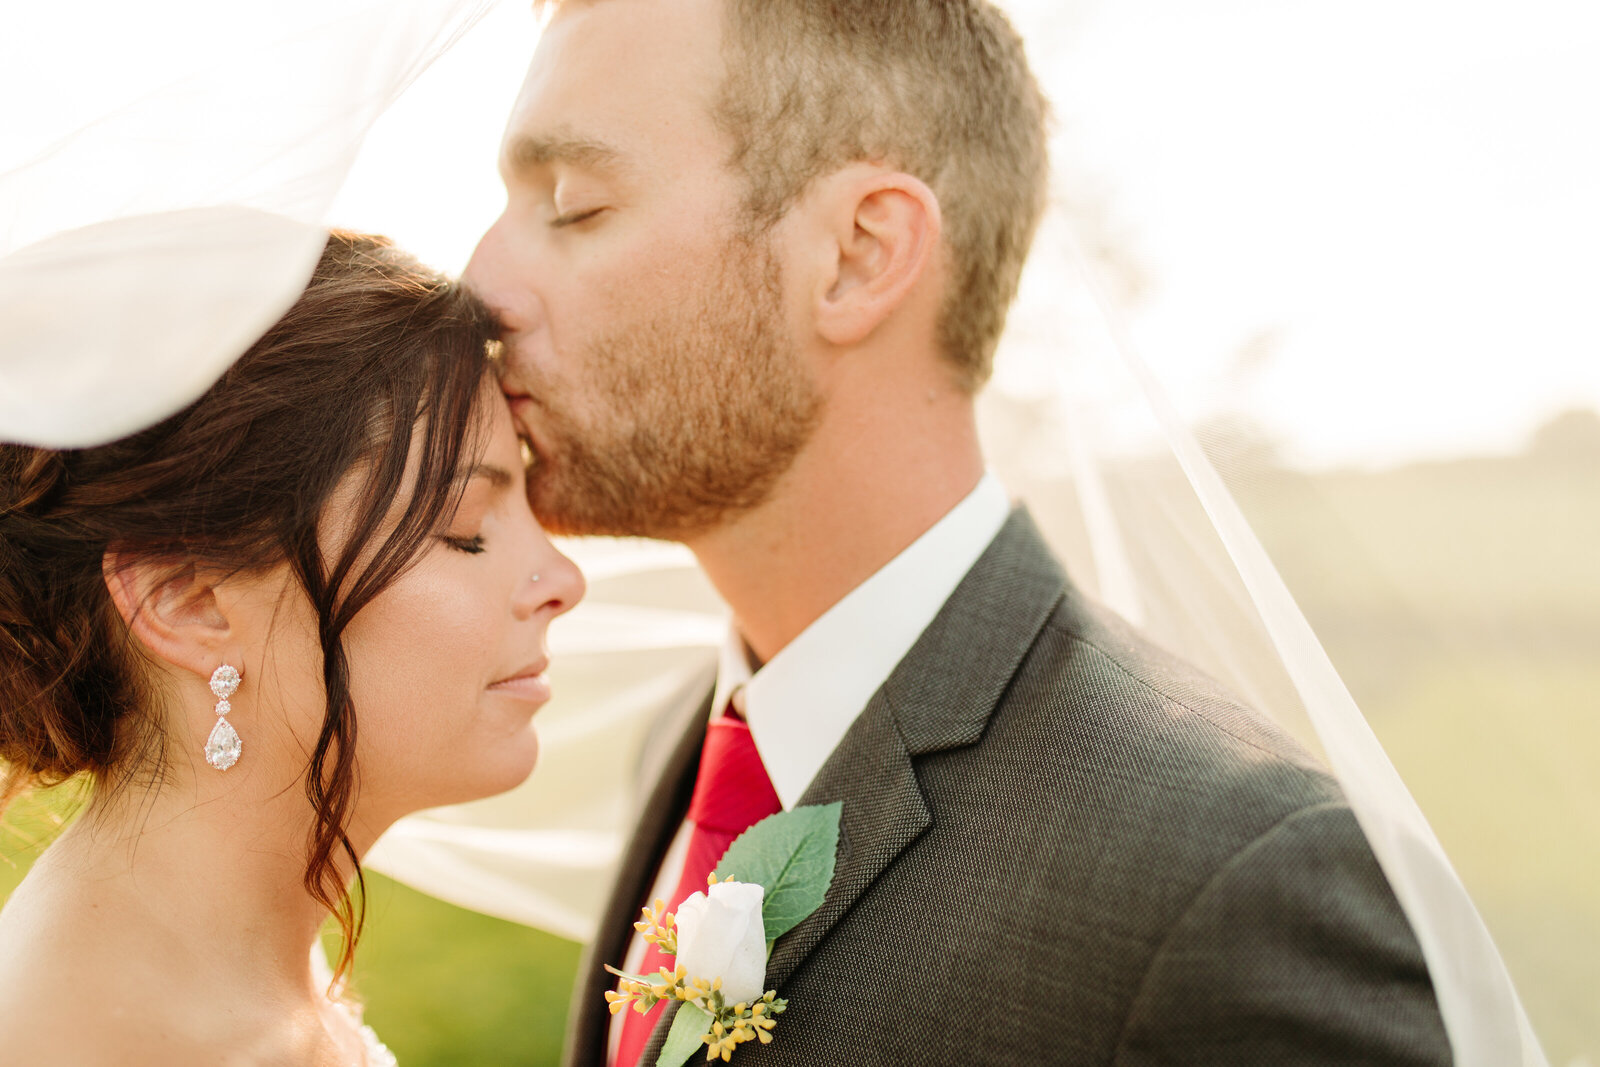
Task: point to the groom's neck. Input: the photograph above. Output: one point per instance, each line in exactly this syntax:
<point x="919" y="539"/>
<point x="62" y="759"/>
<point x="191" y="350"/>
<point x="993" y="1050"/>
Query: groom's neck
<point x="876" y="476"/>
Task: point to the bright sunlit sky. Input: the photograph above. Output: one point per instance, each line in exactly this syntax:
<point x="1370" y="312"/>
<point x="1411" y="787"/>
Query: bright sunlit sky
<point x="1403" y="193"/>
<point x="1390" y="204"/>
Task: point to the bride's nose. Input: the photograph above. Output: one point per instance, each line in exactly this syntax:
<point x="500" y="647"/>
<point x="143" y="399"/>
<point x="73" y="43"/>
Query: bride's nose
<point x="554" y="588"/>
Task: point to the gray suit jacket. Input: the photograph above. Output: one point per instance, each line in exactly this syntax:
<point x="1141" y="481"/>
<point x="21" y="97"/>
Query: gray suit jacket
<point x="1062" y="845"/>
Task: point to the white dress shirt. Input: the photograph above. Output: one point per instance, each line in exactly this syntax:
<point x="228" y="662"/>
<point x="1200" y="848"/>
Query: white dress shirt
<point x="800" y="703"/>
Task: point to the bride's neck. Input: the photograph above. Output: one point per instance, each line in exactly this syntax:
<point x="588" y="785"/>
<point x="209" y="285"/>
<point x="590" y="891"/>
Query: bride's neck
<point x="219" y="878"/>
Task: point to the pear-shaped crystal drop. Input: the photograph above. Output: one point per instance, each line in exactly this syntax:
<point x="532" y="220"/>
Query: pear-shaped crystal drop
<point x="222" y="747"/>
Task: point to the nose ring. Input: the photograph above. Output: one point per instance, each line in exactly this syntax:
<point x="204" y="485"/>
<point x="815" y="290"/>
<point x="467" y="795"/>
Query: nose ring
<point x="535" y="578"/>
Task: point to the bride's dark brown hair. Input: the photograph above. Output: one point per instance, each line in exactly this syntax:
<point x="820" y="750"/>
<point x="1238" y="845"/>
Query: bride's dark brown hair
<point x="377" y="354"/>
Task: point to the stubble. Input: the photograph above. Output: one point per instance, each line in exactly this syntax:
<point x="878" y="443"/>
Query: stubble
<point x="681" y="421"/>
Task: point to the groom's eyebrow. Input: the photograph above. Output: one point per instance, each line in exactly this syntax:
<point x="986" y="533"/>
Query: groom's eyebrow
<point x="527" y="152"/>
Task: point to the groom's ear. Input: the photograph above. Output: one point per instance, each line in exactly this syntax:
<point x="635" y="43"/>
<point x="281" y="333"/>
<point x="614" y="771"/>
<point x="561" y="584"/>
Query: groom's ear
<point x="883" y="238"/>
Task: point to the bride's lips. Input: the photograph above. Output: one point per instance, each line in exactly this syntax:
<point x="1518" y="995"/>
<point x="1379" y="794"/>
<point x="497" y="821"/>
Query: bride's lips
<point x="528" y="683"/>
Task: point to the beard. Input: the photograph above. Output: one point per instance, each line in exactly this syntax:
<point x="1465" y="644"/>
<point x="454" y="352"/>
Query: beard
<point x="679" y="422"/>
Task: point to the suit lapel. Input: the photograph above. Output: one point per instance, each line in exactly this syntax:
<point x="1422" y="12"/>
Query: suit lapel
<point x="940" y="696"/>
<point x="884" y="811"/>
<point x="658" y="823"/>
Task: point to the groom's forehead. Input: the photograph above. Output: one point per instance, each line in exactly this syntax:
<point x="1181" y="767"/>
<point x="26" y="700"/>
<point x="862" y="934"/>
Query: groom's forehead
<point x="662" y="46"/>
<point x="602" y="84"/>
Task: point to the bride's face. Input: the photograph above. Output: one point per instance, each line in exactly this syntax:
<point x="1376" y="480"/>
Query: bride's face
<point x="447" y="663"/>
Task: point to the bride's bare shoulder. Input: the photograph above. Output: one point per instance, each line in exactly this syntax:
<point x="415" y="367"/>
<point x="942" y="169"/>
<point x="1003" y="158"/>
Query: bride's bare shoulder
<point x="56" y="1006"/>
<point x="85" y="994"/>
<point x="47" y="1019"/>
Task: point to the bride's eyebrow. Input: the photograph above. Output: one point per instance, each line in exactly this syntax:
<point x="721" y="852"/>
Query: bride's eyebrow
<point x="498" y="477"/>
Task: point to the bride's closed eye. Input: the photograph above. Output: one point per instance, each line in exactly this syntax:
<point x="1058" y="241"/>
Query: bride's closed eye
<point x="463" y="530"/>
<point x="473" y="545"/>
<point x="486" y="486"/>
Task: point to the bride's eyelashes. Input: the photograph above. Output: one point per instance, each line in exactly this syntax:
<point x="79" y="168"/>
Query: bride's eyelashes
<point x="473" y="546"/>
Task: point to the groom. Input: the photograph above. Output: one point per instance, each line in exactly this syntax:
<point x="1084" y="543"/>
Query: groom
<point x="753" y="267"/>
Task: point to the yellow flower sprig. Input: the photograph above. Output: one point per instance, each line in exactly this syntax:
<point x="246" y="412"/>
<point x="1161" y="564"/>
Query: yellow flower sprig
<point x="657" y="928"/>
<point x="733" y="1026"/>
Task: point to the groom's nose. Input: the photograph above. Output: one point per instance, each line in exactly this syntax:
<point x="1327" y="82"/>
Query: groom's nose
<point x="504" y="281"/>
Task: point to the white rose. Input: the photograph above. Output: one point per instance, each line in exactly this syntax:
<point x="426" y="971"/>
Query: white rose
<point x="721" y="936"/>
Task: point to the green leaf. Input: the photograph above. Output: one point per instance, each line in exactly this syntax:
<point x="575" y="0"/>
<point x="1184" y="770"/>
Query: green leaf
<point x="687" y="1036"/>
<point x="791" y="855"/>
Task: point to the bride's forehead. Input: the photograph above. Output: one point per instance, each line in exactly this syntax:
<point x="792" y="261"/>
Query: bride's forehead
<point x="493" y="435"/>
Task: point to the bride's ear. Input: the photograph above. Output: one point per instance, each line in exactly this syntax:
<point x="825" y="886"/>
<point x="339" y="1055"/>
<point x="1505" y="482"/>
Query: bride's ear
<point x="172" y="609"/>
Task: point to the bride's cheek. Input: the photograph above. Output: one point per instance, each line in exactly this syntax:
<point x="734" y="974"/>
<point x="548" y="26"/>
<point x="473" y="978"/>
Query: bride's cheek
<point x="412" y="657"/>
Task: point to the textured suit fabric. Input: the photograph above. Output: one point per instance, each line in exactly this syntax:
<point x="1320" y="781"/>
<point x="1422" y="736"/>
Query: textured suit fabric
<point x="1062" y="845"/>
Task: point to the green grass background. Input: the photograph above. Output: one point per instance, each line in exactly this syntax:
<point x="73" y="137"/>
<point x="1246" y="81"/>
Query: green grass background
<point x="1462" y="605"/>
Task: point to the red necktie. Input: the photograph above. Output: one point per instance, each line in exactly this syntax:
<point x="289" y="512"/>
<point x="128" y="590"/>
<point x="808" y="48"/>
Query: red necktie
<point x="731" y="793"/>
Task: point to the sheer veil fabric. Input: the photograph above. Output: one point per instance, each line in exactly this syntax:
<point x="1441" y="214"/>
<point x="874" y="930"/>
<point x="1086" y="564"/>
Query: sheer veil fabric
<point x="157" y="217"/>
<point x="151" y="228"/>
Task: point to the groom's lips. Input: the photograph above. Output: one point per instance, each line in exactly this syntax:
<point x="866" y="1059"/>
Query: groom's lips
<point x="522" y="409"/>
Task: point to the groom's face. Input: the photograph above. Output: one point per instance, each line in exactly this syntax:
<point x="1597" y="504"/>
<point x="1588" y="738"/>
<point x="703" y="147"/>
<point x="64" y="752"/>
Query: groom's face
<point x="650" y="355"/>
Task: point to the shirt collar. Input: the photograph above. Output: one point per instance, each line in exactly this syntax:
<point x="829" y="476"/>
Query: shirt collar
<point x="800" y="704"/>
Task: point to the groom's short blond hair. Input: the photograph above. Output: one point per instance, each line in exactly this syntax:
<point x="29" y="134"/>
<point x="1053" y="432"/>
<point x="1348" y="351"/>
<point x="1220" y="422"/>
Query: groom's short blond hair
<point x="940" y="89"/>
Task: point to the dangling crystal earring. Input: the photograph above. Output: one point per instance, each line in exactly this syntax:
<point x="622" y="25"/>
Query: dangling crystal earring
<point x="223" y="746"/>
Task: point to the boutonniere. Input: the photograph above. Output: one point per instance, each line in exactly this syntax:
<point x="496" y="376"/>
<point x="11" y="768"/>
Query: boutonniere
<point x="767" y="883"/>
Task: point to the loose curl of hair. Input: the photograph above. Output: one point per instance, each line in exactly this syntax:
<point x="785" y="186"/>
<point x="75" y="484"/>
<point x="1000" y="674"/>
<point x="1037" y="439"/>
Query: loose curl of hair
<point x="378" y="357"/>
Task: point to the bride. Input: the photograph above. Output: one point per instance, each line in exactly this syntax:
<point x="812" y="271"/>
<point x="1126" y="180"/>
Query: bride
<point x="310" y="603"/>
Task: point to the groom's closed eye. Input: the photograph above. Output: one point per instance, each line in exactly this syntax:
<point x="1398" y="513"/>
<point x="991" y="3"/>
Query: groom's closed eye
<point x="575" y="217"/>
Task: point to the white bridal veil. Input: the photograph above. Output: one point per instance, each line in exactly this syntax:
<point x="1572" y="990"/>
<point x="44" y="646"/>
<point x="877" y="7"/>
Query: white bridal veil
<point x="155" y="218"/>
